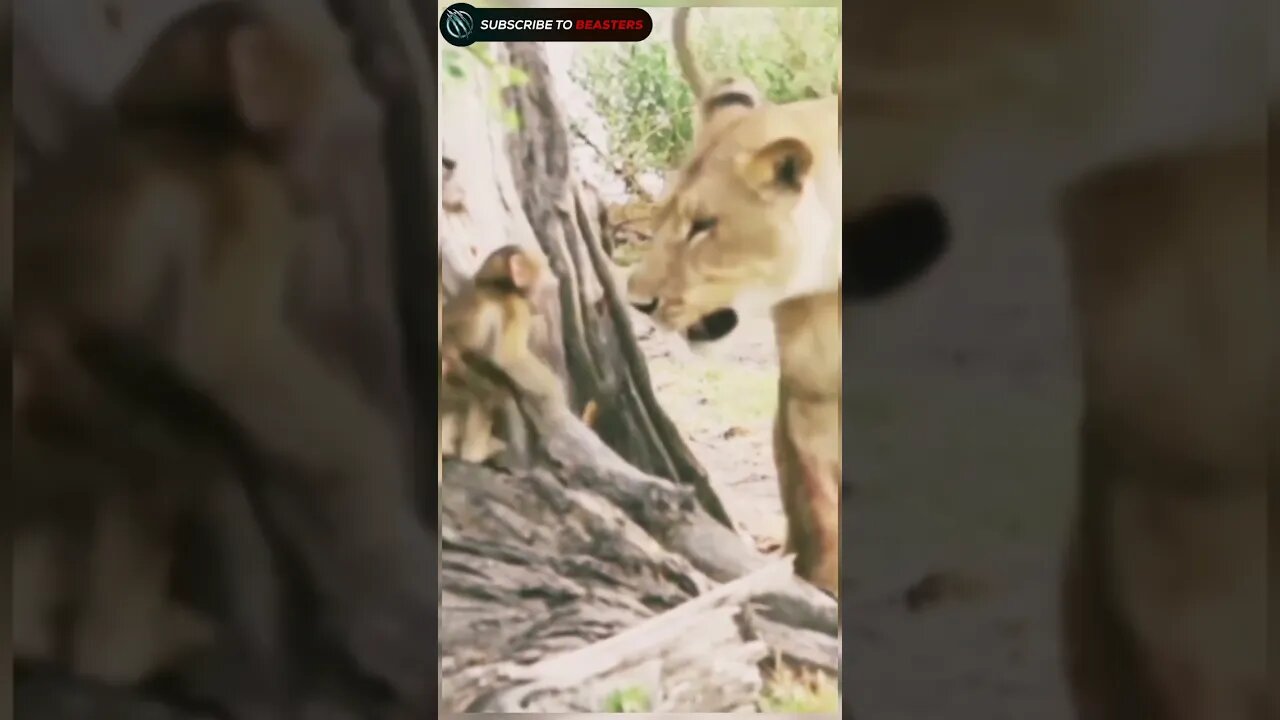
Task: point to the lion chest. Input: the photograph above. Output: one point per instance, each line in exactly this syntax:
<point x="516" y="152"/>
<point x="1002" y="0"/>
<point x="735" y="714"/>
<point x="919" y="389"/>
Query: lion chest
<point x="809" y="346"/>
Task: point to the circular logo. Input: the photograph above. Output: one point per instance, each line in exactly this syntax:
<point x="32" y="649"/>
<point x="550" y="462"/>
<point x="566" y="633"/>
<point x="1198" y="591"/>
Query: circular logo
<point x="457" y="24"/>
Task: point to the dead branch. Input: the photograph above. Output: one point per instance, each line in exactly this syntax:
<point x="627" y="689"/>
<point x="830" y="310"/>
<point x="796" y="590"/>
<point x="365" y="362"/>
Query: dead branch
<point x="624" y="170"/>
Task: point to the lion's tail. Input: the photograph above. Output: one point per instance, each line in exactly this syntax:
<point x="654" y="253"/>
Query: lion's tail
<point x="684" y="56"/>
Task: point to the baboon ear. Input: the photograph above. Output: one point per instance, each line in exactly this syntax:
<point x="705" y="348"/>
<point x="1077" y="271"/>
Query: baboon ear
<point x="891" y="244"/>
<point x="781" y="167"/>
<point x="267" y="79"/>
<point x="523" y="270"/>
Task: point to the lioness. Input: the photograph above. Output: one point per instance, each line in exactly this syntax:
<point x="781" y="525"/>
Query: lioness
<point x="1148" y="122"/>
<point x="753" y="224"/>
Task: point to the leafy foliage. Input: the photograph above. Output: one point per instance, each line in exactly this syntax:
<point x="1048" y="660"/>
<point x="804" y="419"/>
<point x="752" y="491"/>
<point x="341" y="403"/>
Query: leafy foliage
<point x="628" y="700"/>
<point x="790" y="53"/>
<point x="460" y="66"/>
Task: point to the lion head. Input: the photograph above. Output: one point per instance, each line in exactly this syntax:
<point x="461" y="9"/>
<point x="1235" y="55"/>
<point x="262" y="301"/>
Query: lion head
<point x="755" y="219"/>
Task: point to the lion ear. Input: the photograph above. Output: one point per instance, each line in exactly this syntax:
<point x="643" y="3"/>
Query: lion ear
<point x="780" y="168"/>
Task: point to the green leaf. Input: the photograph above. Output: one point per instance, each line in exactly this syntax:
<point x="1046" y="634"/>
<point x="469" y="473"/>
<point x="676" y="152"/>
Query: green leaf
<point x="481" y="53"/>
<point x="511" y="119"/>
<point x="629" y="700"/>
<point x="517" y="77"/>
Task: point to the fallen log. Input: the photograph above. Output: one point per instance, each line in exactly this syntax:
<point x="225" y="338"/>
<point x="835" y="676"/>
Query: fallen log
<point x="578" y="578"/>
<point x="670" y="649"/>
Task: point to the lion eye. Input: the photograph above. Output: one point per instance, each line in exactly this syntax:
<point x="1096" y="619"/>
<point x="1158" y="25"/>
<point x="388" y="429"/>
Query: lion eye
<point x="700" y="226"/>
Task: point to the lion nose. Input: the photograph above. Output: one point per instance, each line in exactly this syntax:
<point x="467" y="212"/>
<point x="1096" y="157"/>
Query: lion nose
<point x="648" y="308"/>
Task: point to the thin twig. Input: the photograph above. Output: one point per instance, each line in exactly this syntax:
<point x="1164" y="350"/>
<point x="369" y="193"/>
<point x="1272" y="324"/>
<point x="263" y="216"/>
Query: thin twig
<point x="628" y="175"/>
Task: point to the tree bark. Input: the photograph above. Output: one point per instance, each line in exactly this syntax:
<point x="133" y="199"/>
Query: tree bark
<point x="540" y="564"/>
<point x="524" y="176"/>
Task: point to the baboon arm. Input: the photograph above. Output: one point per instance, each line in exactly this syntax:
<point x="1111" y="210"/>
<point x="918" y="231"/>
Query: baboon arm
<point x="514" y="356"/>
<point x="536" y="379"/>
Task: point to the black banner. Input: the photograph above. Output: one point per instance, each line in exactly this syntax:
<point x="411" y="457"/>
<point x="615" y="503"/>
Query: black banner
<point x="462" y="24"/>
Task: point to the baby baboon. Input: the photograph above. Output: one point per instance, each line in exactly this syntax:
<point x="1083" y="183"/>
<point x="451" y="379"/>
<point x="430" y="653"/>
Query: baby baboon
<point x="490" y="318"/>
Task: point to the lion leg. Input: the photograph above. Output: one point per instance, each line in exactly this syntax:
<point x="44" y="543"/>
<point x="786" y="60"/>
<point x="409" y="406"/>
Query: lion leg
<point x="784" y="459"/>
<point x="1166" y="587"/>
<point x="809" y="480"/>
<point x="818" y="557"/>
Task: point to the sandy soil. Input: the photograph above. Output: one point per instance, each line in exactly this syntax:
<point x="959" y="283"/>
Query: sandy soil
<point x="724" y="405"/>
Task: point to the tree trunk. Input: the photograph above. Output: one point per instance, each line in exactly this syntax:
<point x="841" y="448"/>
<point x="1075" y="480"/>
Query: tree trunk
<point x="517" y="187"/>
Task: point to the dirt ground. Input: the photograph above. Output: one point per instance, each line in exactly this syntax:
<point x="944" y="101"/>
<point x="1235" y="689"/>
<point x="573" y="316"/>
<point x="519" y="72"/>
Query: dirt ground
<point x="959" y="416"/>
<point x="724" y="405"/>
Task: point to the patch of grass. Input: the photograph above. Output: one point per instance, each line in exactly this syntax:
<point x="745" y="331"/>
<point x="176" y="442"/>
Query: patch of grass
<point x="736" y="395"/>
<point x="628" y="255"/>
<point x="628" y="700"/>
<point x="788" y="690"/>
